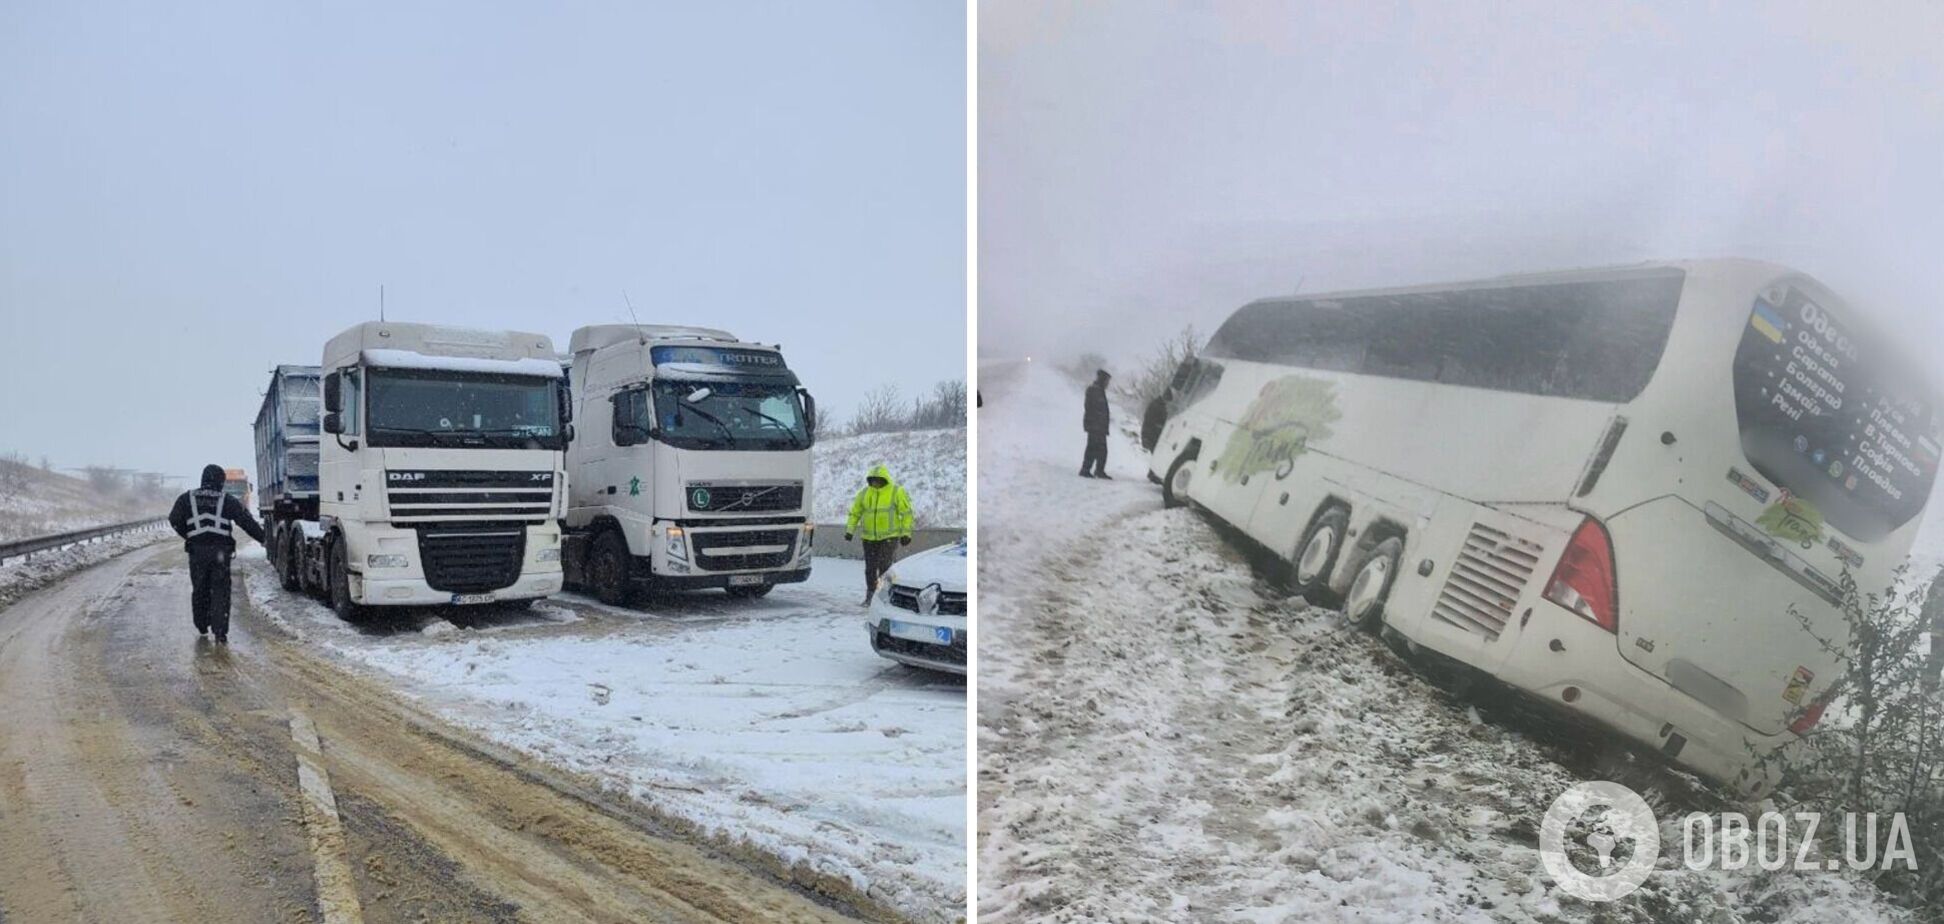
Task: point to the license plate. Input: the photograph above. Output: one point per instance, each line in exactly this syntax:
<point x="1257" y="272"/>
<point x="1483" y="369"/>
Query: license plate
<point x="466" y="599"/>
<point x="911" y="631"/>
<point x="744" y="580"/>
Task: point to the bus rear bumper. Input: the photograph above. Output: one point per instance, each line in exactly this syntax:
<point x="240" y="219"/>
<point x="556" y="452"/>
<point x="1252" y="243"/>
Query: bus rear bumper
<point x="1587" y="678"/>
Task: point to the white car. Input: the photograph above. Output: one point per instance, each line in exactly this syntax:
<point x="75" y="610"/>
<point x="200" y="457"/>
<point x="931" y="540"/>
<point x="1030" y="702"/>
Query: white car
<point x="918" y="612"/>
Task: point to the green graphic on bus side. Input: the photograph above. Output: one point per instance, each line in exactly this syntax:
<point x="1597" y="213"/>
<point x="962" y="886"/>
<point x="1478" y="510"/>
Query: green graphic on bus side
<point x="1289" y="414"/>
<point x="1793" y="519"/>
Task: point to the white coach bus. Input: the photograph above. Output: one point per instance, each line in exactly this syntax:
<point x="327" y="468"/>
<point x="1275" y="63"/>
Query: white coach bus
<point x="1614" y="490"/>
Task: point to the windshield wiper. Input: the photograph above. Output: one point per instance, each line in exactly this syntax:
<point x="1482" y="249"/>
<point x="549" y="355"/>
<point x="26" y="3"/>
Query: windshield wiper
<point x="728" y="435"/>
<point x="794" y="441"/>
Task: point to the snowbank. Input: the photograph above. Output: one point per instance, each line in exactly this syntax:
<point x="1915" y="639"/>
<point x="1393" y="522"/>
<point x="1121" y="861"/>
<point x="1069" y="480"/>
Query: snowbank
<point x="21" y="576"/>
<point x="767" y="724"/>
<point x="929" y="463"/>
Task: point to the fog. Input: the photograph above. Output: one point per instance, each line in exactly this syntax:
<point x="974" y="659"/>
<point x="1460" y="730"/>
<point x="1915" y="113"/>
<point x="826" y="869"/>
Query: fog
<point x="190" y="194"/>
<point x="1147" y="165"/>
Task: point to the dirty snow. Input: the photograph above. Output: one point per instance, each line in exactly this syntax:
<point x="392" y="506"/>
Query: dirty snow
<point x="768" y="724"/>
<point x="20" y="576"/>
<point x="929" y="463"/>
<point x="1164" y="738"/>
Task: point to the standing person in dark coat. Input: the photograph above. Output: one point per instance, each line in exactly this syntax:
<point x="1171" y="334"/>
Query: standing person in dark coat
<point x="1094" y="463"/>
<point x="203" y="519"/>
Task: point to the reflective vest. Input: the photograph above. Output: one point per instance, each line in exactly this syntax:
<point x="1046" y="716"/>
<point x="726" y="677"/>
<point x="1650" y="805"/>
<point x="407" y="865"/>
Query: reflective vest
<point x="207" y="523"/>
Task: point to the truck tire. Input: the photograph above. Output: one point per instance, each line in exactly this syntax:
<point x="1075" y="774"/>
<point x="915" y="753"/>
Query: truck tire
<point x="609" y="568"/>
<point x="752" y="592"/>
<point x="289" y="565"/>
<point x="339" y="586"/>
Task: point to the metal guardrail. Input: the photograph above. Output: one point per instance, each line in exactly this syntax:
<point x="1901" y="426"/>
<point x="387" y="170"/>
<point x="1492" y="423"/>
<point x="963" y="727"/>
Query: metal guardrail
<point x="830" y="541"/>
<point x="26" y="548"/>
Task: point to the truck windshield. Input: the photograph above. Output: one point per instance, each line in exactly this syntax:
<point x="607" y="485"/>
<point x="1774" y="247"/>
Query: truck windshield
<point x="439" y="408"/>
<point x="730" y="415"/>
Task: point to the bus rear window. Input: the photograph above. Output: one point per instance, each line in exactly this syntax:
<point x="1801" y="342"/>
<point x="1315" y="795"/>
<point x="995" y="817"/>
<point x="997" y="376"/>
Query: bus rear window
<point x="1827" y="414"/>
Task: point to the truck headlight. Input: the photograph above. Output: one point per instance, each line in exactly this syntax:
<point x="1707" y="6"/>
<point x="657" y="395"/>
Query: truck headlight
<point x="677" y="543"/>
<point x="387" y="561"/>
<point x="552" y="554"/>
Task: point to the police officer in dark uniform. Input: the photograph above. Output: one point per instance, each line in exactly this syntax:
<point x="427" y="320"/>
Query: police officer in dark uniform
<point x="203" y="518"/>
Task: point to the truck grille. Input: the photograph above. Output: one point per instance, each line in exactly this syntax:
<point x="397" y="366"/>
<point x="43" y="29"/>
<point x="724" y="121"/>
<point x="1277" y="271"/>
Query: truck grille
<point x="715" y="497"/>
<point x="471" y="561"/>
<point x="742" y="550"/>
<point x="1490" y="573"/>
<point x="950" y="603"/>
<point x="420" y="496"/>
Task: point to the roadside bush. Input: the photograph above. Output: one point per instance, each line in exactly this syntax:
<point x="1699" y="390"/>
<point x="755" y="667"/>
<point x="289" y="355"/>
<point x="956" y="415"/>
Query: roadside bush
<point x="1881" y="748"/>
<point x="1150" y="379"/>
<point x="884" y="411"/>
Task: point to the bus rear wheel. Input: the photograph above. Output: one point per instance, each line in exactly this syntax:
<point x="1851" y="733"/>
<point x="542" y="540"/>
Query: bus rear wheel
<point x="1174" y="488"/>
<point x="1316" y="555"/>
<point x="1364" y="603"/>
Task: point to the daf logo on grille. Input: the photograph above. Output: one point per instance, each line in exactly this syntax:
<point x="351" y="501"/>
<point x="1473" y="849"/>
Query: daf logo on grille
<point x="405" y="476"/>
<point x="700" y="498"/>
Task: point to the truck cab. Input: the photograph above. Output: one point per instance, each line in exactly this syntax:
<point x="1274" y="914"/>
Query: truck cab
<point x="694" y="471"/>
<point x="440" y="475"/>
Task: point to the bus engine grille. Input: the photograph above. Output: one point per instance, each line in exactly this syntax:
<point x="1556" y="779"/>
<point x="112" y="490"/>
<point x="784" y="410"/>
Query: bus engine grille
<point x="1490" y="573"/>
<point x="472" y="561"/>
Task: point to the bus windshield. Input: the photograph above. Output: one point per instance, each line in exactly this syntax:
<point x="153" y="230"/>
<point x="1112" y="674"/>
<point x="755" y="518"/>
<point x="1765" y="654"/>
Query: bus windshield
<point x="1827" y="415"/>
<point x="439" y="408"/>
<point x="730" y="415"/>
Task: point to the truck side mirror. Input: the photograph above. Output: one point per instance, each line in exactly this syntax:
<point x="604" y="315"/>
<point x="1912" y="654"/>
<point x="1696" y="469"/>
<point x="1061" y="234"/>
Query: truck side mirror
<point x="566" y="434"/>
<point x="809" y="413"/>
<point x="333" y="397"/>
<point x="334" y="421"/>
<point x="566" y="404"/>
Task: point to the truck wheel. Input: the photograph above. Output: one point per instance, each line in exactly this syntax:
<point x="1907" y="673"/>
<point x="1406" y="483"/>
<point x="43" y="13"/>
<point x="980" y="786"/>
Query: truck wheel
<point x="288" y="563"/>
<point x="608" y="567"/>
<point x="1174" y="488"/>
<point x="1316" y="555"/>
<point x="1364" y="603"/>
<point x="340" y="587"/>
<point x="750" y="592"/>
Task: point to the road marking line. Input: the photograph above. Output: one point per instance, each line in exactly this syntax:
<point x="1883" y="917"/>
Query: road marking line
<point x="337" y="890"/>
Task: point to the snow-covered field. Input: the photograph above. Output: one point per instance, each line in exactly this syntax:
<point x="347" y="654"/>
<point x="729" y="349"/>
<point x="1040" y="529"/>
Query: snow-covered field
<point x="1163" y="738"/>
<point x="929" y="463"/>
<point x="19" y="576"/>
<point x="767" y="724"/>
<point x="37" y="503"/>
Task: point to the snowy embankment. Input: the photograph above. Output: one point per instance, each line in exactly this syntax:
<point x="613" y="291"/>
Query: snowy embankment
<point x="1164" y="738"/>
<point x="767" y="725"/>
<point x="929" y="463"/>
<point x="22" y="576"/>
<point x="34" y="502"/>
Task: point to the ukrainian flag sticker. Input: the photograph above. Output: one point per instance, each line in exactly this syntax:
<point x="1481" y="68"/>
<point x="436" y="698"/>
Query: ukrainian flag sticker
<point x="1768" y="321"/>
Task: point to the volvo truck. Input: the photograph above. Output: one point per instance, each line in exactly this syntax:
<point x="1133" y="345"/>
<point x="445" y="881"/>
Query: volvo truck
<point x="440" y="474"/>
<point x="694" y="471"/>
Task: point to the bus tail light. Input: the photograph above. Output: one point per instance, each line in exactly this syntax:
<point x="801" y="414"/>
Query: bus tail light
<point x="1809" y="718"/>
<point x="1583" y="581"/>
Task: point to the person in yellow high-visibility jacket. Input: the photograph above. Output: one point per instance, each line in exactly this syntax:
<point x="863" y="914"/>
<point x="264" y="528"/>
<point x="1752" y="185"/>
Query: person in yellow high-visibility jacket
<point x="881" y="516"/>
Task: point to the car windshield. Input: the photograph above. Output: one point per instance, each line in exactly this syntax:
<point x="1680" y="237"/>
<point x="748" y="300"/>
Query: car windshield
<point x="411" y="408"/>
<point x="730" y="415"/>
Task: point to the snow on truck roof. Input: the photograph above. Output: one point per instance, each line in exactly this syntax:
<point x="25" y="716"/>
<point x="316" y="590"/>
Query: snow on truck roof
<point x="435" y="340"/>
<point x="408" y="359"/>
<point x="596" y="336"/>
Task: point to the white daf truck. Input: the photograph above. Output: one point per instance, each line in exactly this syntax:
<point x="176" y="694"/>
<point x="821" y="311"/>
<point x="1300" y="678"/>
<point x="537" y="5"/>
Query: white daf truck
<point x="694" y="470"/>
<point x="440" y="476"/>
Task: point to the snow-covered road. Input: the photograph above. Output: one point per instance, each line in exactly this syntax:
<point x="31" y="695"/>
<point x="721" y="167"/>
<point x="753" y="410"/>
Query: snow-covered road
<point x="1164" y="738"/>
<point x="766" y="726"/>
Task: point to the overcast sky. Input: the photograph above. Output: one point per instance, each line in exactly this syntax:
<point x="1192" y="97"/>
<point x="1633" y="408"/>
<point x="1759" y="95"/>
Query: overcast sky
<point x="192" y="193"/>
<point x="1144" y="165"/>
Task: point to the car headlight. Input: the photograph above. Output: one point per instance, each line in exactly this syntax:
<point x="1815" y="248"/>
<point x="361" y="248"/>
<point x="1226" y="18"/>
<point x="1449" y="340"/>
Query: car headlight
<point x="552" y="554"/>
<point x="387" y="561"/>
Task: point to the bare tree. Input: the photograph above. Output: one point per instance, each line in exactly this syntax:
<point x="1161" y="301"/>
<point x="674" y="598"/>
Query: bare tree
<point x="1151" y="379"/>
<point x="882" y="411"/>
